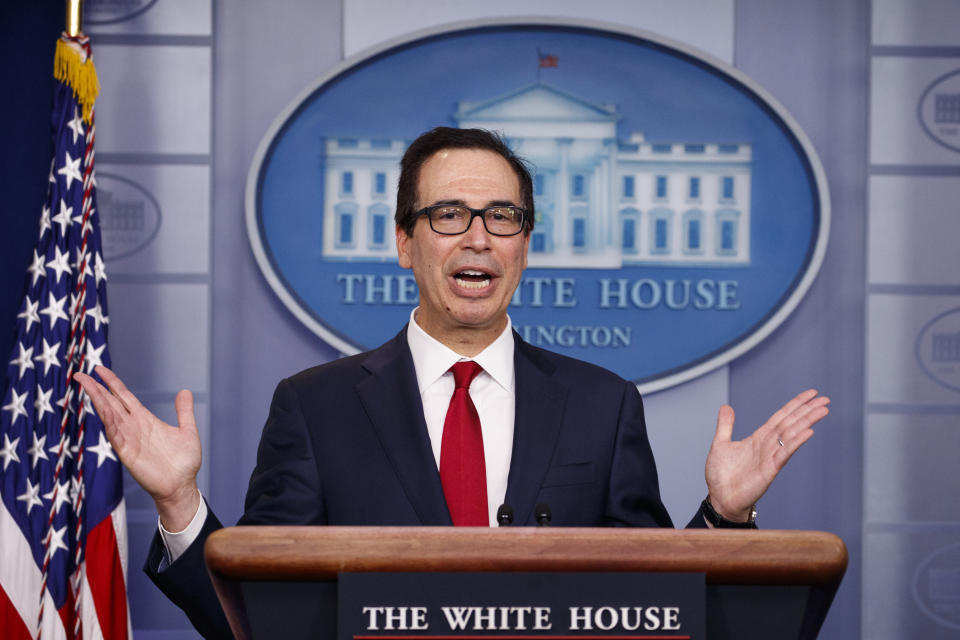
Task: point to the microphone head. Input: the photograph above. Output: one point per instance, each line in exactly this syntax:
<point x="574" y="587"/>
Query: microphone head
<point x="543" y="514"/>
<point x="505" y="515"/>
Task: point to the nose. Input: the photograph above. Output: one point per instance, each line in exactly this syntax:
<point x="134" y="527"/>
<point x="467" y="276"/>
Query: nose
<point x="476" y="236"/>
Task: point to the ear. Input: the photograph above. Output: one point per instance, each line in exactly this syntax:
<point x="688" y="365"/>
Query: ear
<point x="403" y="248"/>
<point x="526" y="248"/>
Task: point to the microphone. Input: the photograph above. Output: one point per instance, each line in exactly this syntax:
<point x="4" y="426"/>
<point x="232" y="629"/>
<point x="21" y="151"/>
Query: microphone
<point x="505" y="515"/>
<point x="543" y="514"/>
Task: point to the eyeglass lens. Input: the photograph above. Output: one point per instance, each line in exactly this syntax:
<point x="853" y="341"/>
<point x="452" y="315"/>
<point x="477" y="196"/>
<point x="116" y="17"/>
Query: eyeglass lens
<point x="454" y="219"/>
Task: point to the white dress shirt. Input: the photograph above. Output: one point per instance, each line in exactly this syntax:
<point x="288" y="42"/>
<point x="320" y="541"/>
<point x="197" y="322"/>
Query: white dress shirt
<point x="491" y="392"/>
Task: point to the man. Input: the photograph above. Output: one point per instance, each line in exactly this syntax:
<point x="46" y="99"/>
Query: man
<point x="413" y="432"/>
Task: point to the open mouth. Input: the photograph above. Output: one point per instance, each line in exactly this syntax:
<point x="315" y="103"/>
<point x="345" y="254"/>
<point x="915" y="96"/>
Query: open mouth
<point x="471" y="279"/>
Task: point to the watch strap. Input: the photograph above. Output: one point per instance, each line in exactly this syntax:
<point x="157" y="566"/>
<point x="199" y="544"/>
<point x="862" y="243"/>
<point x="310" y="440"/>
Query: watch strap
<point x="720" y="522"/>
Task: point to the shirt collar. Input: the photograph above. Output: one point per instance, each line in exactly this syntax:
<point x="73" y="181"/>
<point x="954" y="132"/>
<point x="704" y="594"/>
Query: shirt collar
<point x="432" y="358"/>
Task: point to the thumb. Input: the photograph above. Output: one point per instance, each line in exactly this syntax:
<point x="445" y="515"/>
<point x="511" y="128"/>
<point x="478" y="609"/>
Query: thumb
<point x="184" y="406"/>
<point x="724" y="424"/>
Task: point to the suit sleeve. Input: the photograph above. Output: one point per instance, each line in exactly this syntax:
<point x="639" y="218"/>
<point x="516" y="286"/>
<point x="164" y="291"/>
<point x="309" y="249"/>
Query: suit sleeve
<point x="285" y="486"/>
<point x="284" y="489"/>
<point x="634" y="485"/>
<point x="187" y="584"/>
<point x="634" y="494"/>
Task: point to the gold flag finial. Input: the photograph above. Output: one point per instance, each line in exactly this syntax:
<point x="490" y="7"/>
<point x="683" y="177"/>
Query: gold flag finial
<point x="74" y="18"/>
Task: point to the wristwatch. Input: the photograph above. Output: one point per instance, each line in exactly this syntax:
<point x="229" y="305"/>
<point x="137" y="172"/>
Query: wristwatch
<point x="720" y="522"/>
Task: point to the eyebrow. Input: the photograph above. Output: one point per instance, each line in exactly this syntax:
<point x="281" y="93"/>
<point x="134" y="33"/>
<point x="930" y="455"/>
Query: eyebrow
<point x="491" y="203"/>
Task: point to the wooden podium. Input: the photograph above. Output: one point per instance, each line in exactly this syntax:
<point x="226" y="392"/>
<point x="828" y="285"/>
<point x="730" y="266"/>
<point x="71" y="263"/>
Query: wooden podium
<point x="281" y="581"/>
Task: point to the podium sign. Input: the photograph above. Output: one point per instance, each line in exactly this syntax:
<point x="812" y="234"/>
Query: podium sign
<point x="427" y="606"/>
<point x="282" y="582"/>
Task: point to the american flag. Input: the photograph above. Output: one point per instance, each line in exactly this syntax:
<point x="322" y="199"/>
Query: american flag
<point x="547" y="60"/>
<point x="62" y="521"/>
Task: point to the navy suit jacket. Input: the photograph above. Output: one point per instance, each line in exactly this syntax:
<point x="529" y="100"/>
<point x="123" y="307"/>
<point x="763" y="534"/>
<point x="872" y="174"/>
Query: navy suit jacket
<point x="346" y="444"/>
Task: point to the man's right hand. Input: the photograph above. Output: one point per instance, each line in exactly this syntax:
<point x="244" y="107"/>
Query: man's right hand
<point x="163" y="459"/>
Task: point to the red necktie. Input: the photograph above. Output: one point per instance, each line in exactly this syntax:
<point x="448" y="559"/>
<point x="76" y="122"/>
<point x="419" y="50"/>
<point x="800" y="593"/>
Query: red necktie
<point x="462" y="469"/>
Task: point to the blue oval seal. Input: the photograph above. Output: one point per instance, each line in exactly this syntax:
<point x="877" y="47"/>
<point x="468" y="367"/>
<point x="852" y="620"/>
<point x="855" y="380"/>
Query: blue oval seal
<point x="681" y="213"/>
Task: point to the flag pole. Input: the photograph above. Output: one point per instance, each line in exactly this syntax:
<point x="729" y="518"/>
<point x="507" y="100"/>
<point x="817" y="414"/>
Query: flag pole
<point x="74" y="18"/>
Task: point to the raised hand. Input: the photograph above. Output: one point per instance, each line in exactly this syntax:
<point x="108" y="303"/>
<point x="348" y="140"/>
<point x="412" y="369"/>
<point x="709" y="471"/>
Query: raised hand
<point x="163" y="459"/>
<point x="738" y="473"/>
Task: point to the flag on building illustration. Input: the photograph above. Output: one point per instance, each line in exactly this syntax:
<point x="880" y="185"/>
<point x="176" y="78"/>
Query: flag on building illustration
<point x="62" y="519"/>
<point x="547" y="60"/>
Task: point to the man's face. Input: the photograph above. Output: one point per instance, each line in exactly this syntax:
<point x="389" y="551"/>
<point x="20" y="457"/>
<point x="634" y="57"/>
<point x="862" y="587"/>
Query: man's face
<point x="466" y="281"/>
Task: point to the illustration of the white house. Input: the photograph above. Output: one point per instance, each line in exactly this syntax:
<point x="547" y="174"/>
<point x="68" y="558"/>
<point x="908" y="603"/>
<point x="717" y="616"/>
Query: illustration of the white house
<point x="600" y="202"/>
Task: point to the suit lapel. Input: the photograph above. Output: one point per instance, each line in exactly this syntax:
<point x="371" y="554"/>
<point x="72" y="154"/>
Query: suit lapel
<point x="391" y="397"/>
<point x="539" y="412"/>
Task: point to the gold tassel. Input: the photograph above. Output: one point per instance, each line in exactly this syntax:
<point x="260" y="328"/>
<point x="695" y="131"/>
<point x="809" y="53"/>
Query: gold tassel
<point x="70" y="67"/>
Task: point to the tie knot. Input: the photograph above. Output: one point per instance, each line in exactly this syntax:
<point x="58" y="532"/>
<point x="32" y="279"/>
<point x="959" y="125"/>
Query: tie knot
<point x="464" y="373"/>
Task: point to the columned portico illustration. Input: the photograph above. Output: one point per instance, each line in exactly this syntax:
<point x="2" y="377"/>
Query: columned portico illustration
<point x="601" y="202"/>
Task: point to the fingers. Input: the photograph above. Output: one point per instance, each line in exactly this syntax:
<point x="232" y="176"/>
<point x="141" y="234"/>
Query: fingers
<point x="184" y="406"/>
<point x="103" y="401"/>
<point x="118" y="389"/>
<point x="725" y="418"/>
<point x="804" y="419"/>
<point x="795" y="426"/>
<point x="109" y="409"/>
<point x="798" y="401"/>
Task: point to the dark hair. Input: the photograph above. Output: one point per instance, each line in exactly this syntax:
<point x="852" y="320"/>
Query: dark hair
<point x="438" y="139"/>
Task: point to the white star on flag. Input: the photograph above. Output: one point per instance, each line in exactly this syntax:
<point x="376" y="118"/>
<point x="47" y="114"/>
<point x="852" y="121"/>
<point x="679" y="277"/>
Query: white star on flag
<point x="96" y="312"/>
<point x="68" y="449"/>
<point x="98" y="268"/>
<point x="31" y="496"/>
<point x="62" y="495"/>
<point x="93" y="356"/>
<point x="76" y="125"/>
<point x="103" y="450"/>
<point x="86" y="407"/>
<point x="63" y="217"/>
<point x="54" y="309"/>
<point x="9" y="451"/>
<point x="75" y="489"/>
<point x="74" y="307"/>
<point x="78" y="219"/>
<point x="82" y="260"/>
<point x="44" y="220"/>
<point x="60" y="264"/>
<point x="36" y="451"/>
<point x="71" y="169"/>
<point x="56" y="540"/>
<point x="37" y="268"/>
<point x="49" y="356"/>
<point x="23" y="361"/>
<point x="41" y="404"/>
<point x="16" y="406"/>
<point x="29" y="314"/>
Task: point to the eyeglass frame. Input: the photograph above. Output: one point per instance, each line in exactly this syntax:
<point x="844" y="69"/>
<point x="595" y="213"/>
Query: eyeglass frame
<point x="475" y="213"/>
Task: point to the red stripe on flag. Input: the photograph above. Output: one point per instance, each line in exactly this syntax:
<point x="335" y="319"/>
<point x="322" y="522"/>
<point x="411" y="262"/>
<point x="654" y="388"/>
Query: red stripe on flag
<point x="11" y="624"/>
<point x="105" y="575"/>
<point x="68" y="615"/>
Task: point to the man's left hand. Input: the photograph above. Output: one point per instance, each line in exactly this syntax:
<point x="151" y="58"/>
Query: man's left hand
<point x="739" y="472"/>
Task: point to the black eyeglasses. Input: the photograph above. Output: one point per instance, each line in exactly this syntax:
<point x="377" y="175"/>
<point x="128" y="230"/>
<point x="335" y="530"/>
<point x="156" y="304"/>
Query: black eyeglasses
<point x="454" y="219"/>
